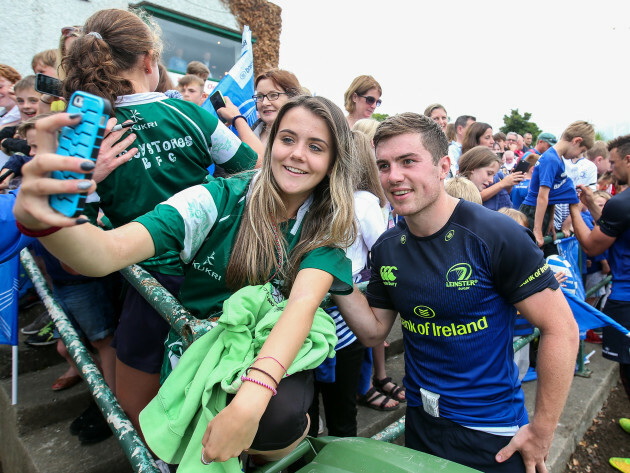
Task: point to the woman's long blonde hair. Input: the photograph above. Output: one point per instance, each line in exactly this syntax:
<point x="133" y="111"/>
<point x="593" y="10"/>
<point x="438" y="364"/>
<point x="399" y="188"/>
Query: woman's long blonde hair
<point x="328" y="222"/>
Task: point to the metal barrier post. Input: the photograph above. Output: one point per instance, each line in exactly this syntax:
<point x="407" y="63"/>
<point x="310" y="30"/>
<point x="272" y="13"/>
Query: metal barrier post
<point x="165" y="304"/>
<point x="135" y="449"/>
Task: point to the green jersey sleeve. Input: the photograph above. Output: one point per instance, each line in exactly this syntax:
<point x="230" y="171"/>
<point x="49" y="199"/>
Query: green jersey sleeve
<point x="334" y="262"/>
<point x="229" y="152"/>
<point x="182" y="223"/>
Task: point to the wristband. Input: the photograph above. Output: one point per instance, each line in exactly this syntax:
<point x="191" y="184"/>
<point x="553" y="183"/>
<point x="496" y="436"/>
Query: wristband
<point x="237" y="117"/>
<point x="259" y="383"/>
<point x="36" y="233"/>
<point x="261" y="371"/>
<point x="272" y="358"/>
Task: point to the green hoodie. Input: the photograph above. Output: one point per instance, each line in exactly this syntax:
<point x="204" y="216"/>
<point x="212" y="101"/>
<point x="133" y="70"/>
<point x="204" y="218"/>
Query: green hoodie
<point x="175" y="421"/>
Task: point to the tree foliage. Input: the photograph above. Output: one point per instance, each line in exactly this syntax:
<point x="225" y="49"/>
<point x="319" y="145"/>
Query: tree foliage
<point x="520" y="124"/>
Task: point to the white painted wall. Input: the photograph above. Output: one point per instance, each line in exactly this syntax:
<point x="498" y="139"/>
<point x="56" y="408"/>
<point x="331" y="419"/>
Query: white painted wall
<point x="31" y="26"/>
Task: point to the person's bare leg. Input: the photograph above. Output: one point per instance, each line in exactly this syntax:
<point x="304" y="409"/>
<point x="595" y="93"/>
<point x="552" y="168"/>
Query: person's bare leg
<point x="275" y="455"/>
<point x="63" y="351"/>
<point x="378" y="361"/>
<point x="134" y="390"/>
<point x="107" y="355"/>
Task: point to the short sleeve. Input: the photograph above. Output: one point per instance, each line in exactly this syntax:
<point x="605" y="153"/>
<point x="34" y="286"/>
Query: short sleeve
<point x="334" y="262"/>
<point x="182" y="223"/>
<point x="520" y="269"/>
<point x="376" y="293"/>
<point x="614" y="220"/>
<point x="547" y="172"/>
<point x="229" y="152"/>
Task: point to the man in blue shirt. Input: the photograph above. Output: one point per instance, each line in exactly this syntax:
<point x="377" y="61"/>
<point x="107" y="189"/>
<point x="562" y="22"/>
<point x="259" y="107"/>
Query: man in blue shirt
<point x="457" y="272"/>
<point x="612" y="233"/>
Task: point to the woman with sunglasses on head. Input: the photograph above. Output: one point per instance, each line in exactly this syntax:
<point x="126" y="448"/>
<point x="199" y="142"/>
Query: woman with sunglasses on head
<point x="286" y="224"/>
<point x="362" y="98"/>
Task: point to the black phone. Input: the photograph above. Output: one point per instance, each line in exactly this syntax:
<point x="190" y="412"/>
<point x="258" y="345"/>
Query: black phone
<point x="522" y="166"/>
<point x="217" y="101"/>
<point x="48" y="85"/>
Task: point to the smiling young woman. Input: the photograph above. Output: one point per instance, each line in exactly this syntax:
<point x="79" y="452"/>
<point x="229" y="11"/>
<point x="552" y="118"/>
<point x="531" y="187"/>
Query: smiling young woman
<point x="286" y="224"/>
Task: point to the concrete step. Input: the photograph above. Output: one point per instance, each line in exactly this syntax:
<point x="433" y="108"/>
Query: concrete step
<point x="29" y="358"/>
<point x="52" y="449"/>
<point x="38" y="405"/>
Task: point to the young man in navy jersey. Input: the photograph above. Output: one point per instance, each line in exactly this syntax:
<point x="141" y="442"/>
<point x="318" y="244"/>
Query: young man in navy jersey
<point x="612" y="231"/>
<point x="456" y="272"/>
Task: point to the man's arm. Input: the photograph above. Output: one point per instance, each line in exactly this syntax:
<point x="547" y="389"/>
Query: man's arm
<point x="549" y="311"/>
<point x="593" y="242"/>
<point x="588" y="199"/>
<point x="541" y="207"/>
<point x="369" y="324"/>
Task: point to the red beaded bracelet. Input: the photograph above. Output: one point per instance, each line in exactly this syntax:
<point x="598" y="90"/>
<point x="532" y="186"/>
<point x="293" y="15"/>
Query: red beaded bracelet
<point x="36" y="233"/>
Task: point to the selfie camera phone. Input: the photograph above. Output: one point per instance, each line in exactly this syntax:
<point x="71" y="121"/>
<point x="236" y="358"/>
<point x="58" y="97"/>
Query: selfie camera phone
<point x="82" y="141"/>
<point x="217" y="101"/>
<point x="48" y="85"/>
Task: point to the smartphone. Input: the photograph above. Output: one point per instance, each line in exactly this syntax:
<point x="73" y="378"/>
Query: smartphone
<point x="48" y="85"/>
<point x="217" y="101"/>
<point x="82" y="140"/>
<point x="522" y="166"/>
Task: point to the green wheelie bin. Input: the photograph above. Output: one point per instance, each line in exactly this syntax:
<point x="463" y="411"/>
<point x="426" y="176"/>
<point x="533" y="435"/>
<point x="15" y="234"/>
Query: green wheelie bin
<point x="361" y="455"/>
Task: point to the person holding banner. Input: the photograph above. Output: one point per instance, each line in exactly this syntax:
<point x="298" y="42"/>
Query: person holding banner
<point x="274" y="88"/>
<point x="286" y="224"/>
<point x="116" y="57"/>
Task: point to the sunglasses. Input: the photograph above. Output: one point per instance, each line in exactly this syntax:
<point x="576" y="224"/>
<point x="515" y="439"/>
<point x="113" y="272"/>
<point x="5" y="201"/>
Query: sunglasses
<point x="70" y="31"/>
<point x="371" y="100"/>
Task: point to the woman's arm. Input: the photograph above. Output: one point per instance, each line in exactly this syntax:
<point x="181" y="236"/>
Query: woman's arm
<point x="245" y="133"/>
<point x="234" y="428"/>
<point x="85" y="248"/>
<point x="506" y="183"/>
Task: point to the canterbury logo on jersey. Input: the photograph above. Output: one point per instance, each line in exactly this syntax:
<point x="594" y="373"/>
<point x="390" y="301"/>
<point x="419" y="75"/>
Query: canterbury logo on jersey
<point x="459" y="276"/>
<point x="388" y="276"/>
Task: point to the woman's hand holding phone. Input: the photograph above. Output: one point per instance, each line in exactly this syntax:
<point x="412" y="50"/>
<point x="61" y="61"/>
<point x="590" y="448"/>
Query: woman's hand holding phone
<point x="32" y="208"/>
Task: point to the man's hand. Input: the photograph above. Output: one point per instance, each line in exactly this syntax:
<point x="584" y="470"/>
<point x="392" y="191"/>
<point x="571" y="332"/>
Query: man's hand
<point x="533" y="446"/>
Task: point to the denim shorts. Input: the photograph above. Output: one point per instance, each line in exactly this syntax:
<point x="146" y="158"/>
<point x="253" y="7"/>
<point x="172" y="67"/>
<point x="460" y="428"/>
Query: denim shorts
<point x="91" y="306"/>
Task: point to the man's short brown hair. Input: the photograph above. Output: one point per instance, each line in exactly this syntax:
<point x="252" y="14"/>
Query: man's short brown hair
<point x="431" y="134"/>
<point x="189" y="79"/>
<point x="198" y="69"/>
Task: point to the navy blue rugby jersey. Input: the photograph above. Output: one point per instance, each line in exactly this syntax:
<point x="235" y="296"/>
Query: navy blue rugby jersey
<point x="615" y="223"/>
<point x="455" y="292"/>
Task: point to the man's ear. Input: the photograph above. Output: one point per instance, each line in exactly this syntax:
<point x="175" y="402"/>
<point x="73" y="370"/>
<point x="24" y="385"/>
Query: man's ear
<point x="445" y="166"/>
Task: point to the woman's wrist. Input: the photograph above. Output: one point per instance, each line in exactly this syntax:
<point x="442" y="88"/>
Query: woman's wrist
<point x="36" y="233"/>
<point x="236" y="118"/>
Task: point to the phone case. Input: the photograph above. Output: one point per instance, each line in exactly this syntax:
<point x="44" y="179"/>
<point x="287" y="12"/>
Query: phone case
<point x="217" y="100"/>
<point x="83" y="141"/>
<point x="48" y="85"/>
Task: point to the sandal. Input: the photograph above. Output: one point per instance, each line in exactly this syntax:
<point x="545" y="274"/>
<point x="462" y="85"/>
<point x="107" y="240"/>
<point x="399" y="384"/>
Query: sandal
<point x="370" y="397"/>
<point x="394" y="392"/>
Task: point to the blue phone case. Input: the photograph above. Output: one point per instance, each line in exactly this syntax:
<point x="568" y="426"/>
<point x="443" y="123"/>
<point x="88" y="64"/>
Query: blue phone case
<point x="83" y="141"/>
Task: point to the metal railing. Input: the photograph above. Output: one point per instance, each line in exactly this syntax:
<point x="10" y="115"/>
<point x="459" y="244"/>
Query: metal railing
<point x="131" y="443"/>
<point x="190" y="329"/>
